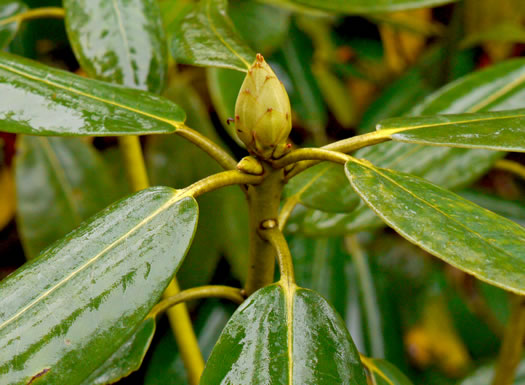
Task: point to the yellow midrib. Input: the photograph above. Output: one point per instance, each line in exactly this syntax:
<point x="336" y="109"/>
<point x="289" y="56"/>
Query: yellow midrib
<point x="289" y="290"/>
<point x="176" y="197"/>
<point x="392" y="131"/>
<point x="221" y="39"/>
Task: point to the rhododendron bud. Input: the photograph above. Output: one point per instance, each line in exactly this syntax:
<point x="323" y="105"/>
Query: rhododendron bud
<point x="262" y="112"/>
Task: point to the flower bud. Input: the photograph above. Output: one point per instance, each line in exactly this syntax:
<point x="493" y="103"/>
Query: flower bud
<point x="262" y="112"/>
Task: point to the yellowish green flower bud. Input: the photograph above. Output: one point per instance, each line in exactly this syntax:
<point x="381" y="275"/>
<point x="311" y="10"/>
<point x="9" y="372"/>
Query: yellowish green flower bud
<point x="262" y="113"/>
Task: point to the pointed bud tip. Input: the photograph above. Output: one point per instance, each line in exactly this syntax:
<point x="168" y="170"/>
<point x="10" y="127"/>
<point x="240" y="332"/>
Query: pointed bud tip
<point x="262" y="110"/>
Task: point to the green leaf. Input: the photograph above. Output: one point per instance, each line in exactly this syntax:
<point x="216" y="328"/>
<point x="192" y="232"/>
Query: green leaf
<point x="62" y="324"/>
<point x="47" y="101"/>
<point x="320" y="187"/>
<point x="166" y="366"/>
<point x="127" y="358"/>
<point x="501" y="130"/>
<point x="384" y="373"/>
<point x="120" y="42"/>
<point x="9" y="8"/>
<point x="205" y="36"/>
<point x="470" y="238"/>
<point x="262" y="26"/>
<point x="360" y="6"/>
<point x="513" y="210"/>
<point x="224" y="86"/>
<point x="284" y="335"/>
<point x="500" y="87"/>
<point x="485" y="374"/>
<point x="59" y="182"/>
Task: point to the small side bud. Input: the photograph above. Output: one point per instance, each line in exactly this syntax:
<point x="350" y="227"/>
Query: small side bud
<point x="250" y="165"/>
<point x="262" y="111"/>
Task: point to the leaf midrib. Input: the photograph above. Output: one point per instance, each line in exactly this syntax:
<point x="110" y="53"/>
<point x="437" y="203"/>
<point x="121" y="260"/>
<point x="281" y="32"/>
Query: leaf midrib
<point x="221" y="39"/>
<point x="176" y="197"/>
<point x="401" y="130"/>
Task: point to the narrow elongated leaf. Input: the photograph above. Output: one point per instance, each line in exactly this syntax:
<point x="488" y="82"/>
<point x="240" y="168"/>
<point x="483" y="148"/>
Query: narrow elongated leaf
<point x="501" y="87"/>
<point x="62" y="324"/>
<point x="8" y="29"/>
<point x="60" y="182"/>
<point x="501" y="130"/>
<point x="284" y="335"/>
<point x="360" y="6"/>
<point x="40" y="100"/>
<point x="121" y="42"/>
<point x="384" y="373"/>
<point x="471" y="238"/>
<point x="206" y="37"/>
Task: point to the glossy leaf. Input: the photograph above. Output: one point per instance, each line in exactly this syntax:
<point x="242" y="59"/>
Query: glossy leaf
<point x="285" y="336"/>
<point x="9" y="8"/>
<point x="119" y="42"/>
<point x="360" y="6"/>
<point x="205" y="36"/>
<point x="501" y="130"/>
<point x="384" y="373"/>
<point x="127" y="358"/>
<point x="500" y="87"/>
<point x="166" y="366"/>
<point x="224" y="86"/>
<point x="461" y="233"/>
<point x="63" y="324"/>
<point x="513" y="210"/>
<point x="40" y="100"/>
<point x="59" y="182"/>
